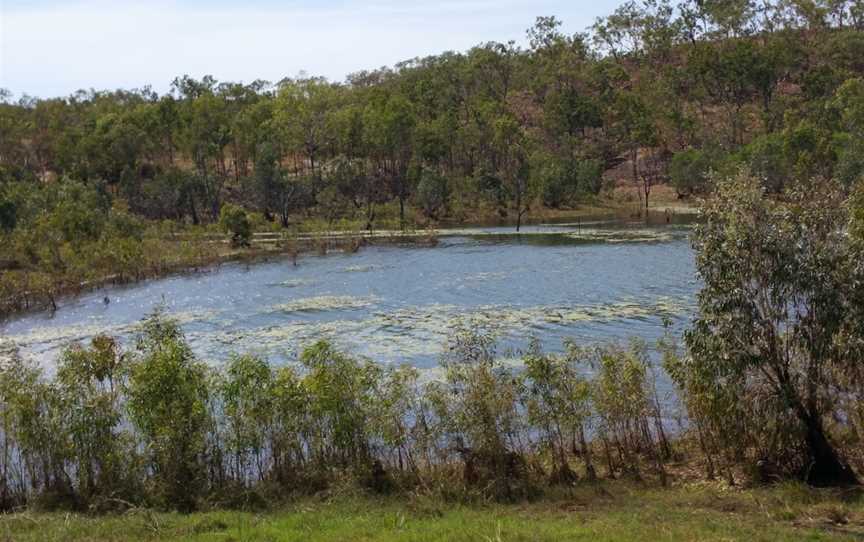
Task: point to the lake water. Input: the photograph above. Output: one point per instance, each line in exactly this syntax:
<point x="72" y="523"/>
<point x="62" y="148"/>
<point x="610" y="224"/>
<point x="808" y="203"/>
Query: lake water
<point x="590" y="282"/>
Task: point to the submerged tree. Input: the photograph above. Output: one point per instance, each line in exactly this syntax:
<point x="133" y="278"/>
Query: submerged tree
<point x="235" y="221"/>
<point x="779" y="316"/>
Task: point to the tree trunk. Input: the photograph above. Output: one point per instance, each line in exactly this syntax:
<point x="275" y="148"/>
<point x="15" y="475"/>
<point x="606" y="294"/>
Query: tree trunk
<point x="590" y="472"/>
<point x="518" y="210"/>
<point x="826" y="468"/>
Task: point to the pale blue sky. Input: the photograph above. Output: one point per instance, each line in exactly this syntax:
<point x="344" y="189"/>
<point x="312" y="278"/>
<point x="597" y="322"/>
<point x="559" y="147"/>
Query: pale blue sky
<point x="51" y="48"/>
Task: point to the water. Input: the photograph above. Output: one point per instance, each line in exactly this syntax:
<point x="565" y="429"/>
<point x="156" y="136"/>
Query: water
<point x="588" y="282"/>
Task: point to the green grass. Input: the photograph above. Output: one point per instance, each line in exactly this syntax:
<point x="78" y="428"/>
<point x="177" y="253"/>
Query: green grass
<point x="618" y="511"/>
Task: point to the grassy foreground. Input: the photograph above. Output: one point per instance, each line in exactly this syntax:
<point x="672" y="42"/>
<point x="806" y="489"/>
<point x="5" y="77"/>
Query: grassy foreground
<point x="612" y="511"/>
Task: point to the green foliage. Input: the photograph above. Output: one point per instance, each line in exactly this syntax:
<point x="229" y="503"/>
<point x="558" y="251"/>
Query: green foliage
<point x="565" y="182"/>
<point x="248" y="406"/>
<point x="234" y="220"/>
<point x="690" y="171"/>
<point x="559" y="403"/>
<point x="766" y="159"/>
<point x="168" y="397"/>
<point x="850" y="159"/>
<point x="849" y="102"/>
<point x="770" y="369"/>
<point x="341" y="392"/>
<point x="91" y="382"/>
<point x="856" y="226"/>
<point x="778" y="327"/>
<point x="477" y="407"/>
<point x="433" y="193"/>
<point x="495" y="131"/>
<point x="8" y="215"/>
<point x="33" y="436"/>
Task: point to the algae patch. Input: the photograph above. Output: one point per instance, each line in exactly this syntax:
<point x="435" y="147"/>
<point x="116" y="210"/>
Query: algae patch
<point x="294" y="283"/>
<point x="323" y="303"/>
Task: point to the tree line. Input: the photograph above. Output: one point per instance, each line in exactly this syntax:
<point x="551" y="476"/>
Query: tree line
<point x="154" y="426"/>
<point x="655" y="90"/>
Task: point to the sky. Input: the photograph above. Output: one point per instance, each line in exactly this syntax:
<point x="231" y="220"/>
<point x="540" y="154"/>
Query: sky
<point x="53" y="48"/>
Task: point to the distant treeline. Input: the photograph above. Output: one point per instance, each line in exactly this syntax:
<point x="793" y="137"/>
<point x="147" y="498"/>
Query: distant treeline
<point x="769" y="386"/>
<point x="653" y="92"/>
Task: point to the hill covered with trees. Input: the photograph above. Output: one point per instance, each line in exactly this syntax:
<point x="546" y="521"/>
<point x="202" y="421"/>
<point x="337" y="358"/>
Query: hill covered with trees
<point x="670" y="91"/>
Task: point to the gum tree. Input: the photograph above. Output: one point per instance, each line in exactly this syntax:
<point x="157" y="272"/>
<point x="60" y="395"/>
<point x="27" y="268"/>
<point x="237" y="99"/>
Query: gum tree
<point x="779" y="311"/>
<point x="167" y="401"/>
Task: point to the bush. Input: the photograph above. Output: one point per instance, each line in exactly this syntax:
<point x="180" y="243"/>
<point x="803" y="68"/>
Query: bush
<point x="8" y="215"/>
<point x="766" y="159"/>
<point x="564" y="182"/>
<point x="432" y="194"/>
<point x="168" y="404"/>
<point x="90" y="389"/>
<point x="234" y="220"/>
<point x="689" y="171"/>
<point x="776" y="346"/>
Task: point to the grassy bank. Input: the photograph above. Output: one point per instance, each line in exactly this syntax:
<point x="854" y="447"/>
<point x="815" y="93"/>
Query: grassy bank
<point x="614" y="510"/>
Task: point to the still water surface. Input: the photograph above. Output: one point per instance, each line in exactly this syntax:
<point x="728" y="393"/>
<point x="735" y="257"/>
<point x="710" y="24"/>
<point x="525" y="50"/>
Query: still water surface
<point x="589" y="282"/>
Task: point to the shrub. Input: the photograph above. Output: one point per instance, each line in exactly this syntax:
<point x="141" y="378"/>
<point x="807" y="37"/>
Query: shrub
<point x="689" y="171"/>
<point x="234" y="220"/>
<point x="432" y="194"/>
<point x="90" y="389"/>
<point x="168" y="399"/>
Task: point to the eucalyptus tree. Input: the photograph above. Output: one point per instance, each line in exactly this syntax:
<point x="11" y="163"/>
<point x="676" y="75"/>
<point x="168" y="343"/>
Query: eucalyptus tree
<point x="204" y="133"/>
<point x="248" y="406"/>
<point x="634" y="123"/>
<point x="779" y="316"/>
<point x="388" y="134"/>
<point x="477" y="406"/>
<point x="341" y="391"/>
<point x="512" y="162"/>
<point x="303" y="113"/>
<point x="168" y="395"/>
<point x="559" y="403"/>
<point x="248" y="110"/>
<point x="290" y="438"/>
<point x="35" y="450"/>
<point x="848" y="105"/>
<point x="432" y="194"/>
<point x="91" y="384"/>
<point x="625" y="398"/>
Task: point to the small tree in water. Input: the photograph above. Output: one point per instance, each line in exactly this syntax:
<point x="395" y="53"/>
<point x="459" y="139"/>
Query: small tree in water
<point x="779" y="317"/>
<point x="235" y="221"/>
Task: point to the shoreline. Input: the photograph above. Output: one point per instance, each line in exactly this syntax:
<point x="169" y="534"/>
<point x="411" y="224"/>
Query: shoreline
<point x="292" y="245"/>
